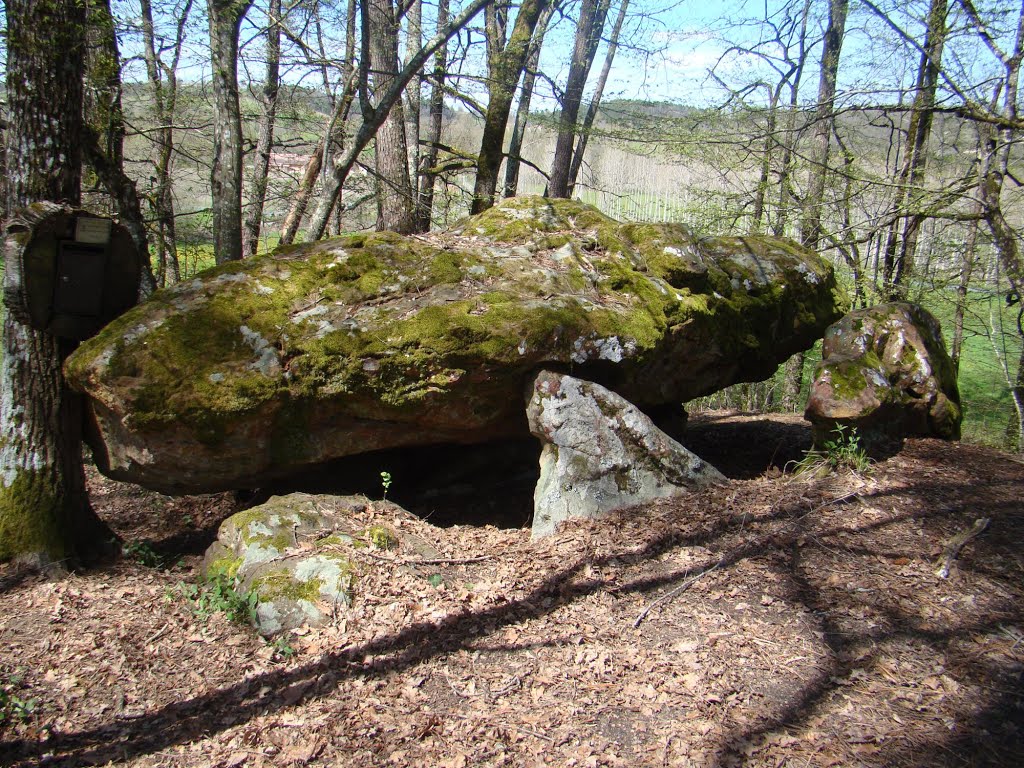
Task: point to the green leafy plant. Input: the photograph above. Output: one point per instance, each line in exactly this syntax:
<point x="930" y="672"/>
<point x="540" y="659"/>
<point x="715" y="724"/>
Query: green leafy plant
<point x="143" y="553"/>
<point x="12" y="705"/>
<point x="385" y="481"/>
<point x="218" y="595"/>
<point x="282" y="648"/>
<point x="842" y="450"/>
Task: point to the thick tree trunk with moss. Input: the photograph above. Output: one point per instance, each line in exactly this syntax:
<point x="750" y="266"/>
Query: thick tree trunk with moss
<point x="226" y="173"/>
<point x="45" y="516"/>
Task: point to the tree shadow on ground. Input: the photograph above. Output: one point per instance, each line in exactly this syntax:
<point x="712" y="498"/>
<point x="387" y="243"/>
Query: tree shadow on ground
<point x="980" y="737"/>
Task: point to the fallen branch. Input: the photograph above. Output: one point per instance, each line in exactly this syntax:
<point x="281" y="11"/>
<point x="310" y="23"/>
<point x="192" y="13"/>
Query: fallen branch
<point x="957" y="543"/>
<point x="434" y="561"/>
<point x="672" y="593"/>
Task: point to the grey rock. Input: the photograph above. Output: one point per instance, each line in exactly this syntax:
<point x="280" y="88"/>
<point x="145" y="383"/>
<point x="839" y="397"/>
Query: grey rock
<point x="886" y="372"/>
<point x="295" y="554"/>
<point x="601" y="453"/>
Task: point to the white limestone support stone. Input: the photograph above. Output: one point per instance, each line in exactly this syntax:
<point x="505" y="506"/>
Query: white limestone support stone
<point x="601" y="453"/>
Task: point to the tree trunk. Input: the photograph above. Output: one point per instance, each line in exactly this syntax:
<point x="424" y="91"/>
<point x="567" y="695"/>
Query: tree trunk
<point x="395" y="202"/>
<point x="374" y="116"/>
<point x="45" y="517"/>
<point x="425" y="204"/>
<point x="588" y="35"/>
<point x="163" y="83"/>
<point x="103" y="132"/>
<point x="515" y="145"/>
<point x="265" y="140"/>
<point x="414" y="99"/>
<point x="226" y="173"/>
<point x="810" y="230"/>
<point x="595" y="101"/>
<point x="918" y="134"/>
<point x="505" y="65"/>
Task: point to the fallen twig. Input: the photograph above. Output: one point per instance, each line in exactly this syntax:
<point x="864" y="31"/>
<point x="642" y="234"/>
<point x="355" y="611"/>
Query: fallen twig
<point x="957" y="543"/>
<point x="672" y="593"/>
<point x="433" y="561"/>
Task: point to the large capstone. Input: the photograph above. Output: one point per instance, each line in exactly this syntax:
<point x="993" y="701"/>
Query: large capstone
<point x="600" y="453"/>
<point x="256" y="369"/>
<point x="886" y="372"/>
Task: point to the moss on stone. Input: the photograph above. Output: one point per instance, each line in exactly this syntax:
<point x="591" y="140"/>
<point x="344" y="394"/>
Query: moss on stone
<point x="381" y="537"/>
<point x="223" y="567"/>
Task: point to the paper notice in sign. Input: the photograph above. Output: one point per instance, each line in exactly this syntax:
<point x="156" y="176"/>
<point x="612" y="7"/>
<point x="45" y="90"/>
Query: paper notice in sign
<point x="94" y="231"/>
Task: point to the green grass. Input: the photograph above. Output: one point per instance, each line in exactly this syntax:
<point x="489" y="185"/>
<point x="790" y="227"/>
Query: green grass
<point x="984" y="391"/>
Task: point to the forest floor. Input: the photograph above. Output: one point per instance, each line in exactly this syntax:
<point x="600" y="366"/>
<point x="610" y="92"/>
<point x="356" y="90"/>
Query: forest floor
<point x="772" y="621"/>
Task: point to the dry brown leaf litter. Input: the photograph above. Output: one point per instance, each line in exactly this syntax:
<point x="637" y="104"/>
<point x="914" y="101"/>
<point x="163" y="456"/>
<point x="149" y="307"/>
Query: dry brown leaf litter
<point x="811" y="630"/>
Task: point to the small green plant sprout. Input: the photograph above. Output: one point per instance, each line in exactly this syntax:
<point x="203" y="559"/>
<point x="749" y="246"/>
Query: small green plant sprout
<point x="143" y="553"/>
<point x="842" y="450"/>
<point x="385" y="481"/>
<point x="282" y="649"/>
<point x="14" y="707"/>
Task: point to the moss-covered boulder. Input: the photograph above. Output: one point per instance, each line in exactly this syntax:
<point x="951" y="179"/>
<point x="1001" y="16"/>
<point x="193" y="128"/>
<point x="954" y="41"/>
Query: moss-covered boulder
<point x="255" y="369"/>
<point x="297" y="555"/>
<point x="886" y="371"/>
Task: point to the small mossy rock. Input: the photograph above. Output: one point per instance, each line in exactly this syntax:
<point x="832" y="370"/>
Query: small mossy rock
<point x="257" y="369"/>
<point x="601" y="453"/>
<point x="296" y="554"/>
<point x="885" y="371"/>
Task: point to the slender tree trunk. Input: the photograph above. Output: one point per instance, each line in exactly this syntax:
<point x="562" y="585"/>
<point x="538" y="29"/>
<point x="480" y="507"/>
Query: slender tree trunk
<point x="595" y="101"/>
<point x="505" y="65"/>
<point x="265" y="139"/>
<point x="226" y="174"/>
<point x="395" y="201"/>
<point x="163" y="84"/>
<point x="373" y="116"/>
<point x="789" y="143"/>
<point x="810" y="230"/>
<point x="414" y="94"/>
<point x="425" y="205"/>
<point x="332" y="141"/>
<point x="515" y="146"/>
<point x="45" y="517"/>
<point x="588" y="35"/>
<point x="918" y="134"/>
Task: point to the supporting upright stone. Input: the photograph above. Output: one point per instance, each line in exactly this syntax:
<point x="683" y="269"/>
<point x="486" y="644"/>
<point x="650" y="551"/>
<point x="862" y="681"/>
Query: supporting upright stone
<point x="601" y="453"/>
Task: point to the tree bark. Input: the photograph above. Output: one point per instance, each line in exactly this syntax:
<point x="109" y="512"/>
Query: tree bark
<point x="595" y="101"/>
<point x="810" y="230"/>
<point x="45" y="517"/>
<point x="505" y="65"/>
<point x="425" y="204"/>
<point x="395" y="201"/>
<point x="373" y="118"/>
<point x="103" y="132"/>
<point x="163" y="83"/>
<point x="226" y="174"/>
<point x="588" y="35"/>
<point x="265" y="140"/>
<point x="515" y="145"/>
